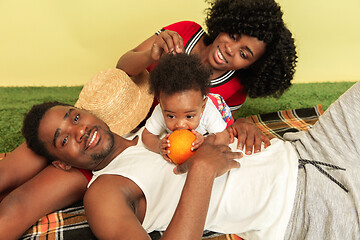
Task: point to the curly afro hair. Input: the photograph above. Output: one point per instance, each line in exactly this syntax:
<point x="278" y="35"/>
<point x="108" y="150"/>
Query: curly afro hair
<point x="178" y="73"/>
<point x="30" y="129"/>
<point x="271" y="75"/>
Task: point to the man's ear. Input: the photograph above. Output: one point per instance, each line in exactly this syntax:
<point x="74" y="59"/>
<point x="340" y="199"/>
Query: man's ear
<point x="61" y="165"/>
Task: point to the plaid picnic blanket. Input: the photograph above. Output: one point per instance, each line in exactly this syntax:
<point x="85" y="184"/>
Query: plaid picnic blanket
<point x="70" y="223"/>
<point x="276" y="124"/>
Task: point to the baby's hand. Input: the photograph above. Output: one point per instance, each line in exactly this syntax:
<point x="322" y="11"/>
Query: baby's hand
<point x="198" y="141"/>
<point x="231" y="132"/>
<point x="164" y="144"/>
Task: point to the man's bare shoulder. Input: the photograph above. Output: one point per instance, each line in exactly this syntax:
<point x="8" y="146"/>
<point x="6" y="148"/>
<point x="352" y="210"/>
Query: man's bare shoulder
<point x="115" y="202"/>
<point x="126" y="193"/>
<point x="117" y="184"/>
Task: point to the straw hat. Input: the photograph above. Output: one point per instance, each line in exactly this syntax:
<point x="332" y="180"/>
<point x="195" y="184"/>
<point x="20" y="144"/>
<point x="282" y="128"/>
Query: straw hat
<point x="120" y="101"/>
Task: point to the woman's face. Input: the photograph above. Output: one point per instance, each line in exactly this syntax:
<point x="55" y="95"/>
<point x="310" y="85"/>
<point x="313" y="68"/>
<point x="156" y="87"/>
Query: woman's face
<point x="232" y="52"/>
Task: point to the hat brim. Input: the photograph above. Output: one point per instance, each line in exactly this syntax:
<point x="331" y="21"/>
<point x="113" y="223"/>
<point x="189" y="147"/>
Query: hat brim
<point x="120" y="101"/>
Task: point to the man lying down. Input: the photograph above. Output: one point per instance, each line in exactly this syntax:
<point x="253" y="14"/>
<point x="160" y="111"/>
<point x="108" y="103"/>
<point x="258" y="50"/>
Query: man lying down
<point x="290" y="190"/>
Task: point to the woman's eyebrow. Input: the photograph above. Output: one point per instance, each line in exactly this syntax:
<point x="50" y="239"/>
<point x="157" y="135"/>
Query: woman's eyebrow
<point x="249" y="50"/>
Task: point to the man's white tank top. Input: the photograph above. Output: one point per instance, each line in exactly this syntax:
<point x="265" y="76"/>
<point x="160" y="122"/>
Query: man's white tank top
<point x="254" y="201"/>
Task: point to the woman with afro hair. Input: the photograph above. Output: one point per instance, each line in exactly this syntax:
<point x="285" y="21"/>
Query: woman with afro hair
<point x="247" y="45"/>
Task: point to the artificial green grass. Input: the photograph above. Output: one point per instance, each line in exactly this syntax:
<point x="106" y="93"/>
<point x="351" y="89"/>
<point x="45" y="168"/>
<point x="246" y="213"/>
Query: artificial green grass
<point x="16" y="101"/>
<point x="301" y="95"/>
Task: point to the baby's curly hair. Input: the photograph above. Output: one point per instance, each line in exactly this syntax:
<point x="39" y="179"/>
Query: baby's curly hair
<point x="178" y="73"/>
<point x="30" y="129"/>
<point x="271" y="75"/>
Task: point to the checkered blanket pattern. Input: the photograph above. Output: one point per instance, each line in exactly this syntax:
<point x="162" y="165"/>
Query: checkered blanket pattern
<point x="276" y="124"/>
<point x="70" y="223"/>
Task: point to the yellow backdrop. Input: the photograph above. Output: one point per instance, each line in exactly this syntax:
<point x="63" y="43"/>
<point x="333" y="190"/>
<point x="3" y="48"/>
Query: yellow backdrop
<point x="57" y="43"/>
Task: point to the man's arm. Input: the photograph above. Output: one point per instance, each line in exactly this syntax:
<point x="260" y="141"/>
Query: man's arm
<point x="49" y="190"/>
<point x="110" y="205"/>
<point x="208" y="162"/>
<point x="190" y="215"/>
<point x="12" y="170"/>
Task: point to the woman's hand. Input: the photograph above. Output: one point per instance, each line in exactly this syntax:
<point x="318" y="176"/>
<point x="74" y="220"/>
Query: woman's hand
<point x="248" y="135"/>
<point x="166" y="42"/>
<point x="149" y="52"/>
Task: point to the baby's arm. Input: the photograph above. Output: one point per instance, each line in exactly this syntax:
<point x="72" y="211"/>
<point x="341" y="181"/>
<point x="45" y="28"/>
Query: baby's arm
<point x="223" y="138"/>
<point x="155" y="144"/>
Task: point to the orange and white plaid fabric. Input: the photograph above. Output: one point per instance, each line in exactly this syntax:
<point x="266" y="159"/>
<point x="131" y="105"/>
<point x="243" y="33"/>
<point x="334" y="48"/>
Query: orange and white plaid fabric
<point x="69" y="223"/>
<point x="276" y="124"/>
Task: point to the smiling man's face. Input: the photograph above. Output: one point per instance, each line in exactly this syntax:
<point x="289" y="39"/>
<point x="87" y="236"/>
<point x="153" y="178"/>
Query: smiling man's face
<point x="75" y="137"/>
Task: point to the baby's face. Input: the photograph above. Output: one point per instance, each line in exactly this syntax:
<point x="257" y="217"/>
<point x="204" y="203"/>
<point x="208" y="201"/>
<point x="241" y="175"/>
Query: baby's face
<point x="182" y="110"/>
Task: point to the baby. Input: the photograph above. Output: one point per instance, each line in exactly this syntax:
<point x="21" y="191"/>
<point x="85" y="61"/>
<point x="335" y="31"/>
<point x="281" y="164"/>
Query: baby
<point x="180" y="83"/>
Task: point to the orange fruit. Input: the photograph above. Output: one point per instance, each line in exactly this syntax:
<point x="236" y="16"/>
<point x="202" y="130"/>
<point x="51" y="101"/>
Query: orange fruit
<point x="180" y="145"/>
